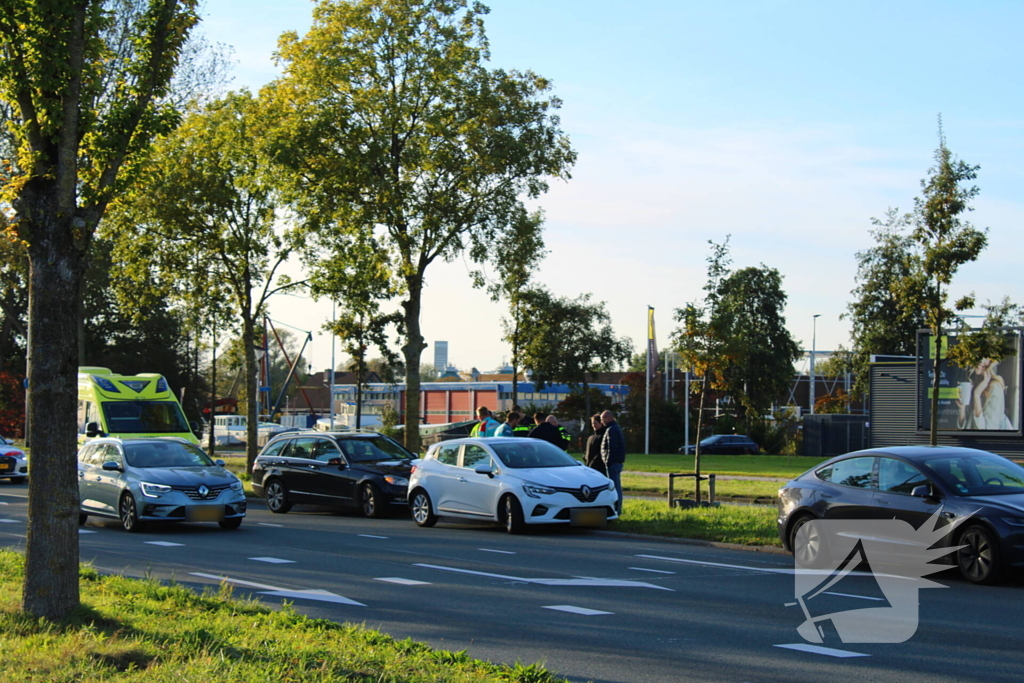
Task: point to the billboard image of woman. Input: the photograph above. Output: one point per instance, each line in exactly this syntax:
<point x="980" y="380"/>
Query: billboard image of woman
<point x="982" y="402"/>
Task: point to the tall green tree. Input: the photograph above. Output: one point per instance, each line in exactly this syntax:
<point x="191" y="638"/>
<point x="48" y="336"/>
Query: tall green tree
<point x="882" y="319"/>
<point x="567" y="340"/>
<point x="945" y="241"/>
<point x="759" y="351"/>
<point x="84" y="106"/>
<point x="396" y="126"/>
<point x="206" y="208"/>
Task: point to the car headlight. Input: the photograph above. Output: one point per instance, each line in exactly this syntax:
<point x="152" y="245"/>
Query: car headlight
<point x="536" y="490"/>
<point x="236" y="485"/>
<point x="396" y="481"/>
<point x="153" y="490"/>
<point x="1013" y="521"/>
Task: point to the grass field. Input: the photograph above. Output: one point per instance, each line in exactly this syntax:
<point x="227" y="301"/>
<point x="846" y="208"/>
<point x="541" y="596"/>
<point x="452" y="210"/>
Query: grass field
<point x="730" y="489"/>
<point x="131" y="630"/>
<point x="782" y="466"/>
<point x="728" y="523"/>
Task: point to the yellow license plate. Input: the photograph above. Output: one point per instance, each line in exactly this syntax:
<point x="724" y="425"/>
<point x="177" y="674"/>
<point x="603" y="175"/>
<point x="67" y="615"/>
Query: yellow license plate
<point x="588" y="517"/>
<point x="204" y="513"/>
<point x="5" y="466"/>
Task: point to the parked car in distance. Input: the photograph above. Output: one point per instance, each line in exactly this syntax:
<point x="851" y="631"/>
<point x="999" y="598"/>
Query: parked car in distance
<point x="13" y="462"/>
<point x="364" y="471"/>
<point x="513" y="481"/>
<point x="724" y="444"/>
<point x="157" y="479"/>
<point x="912" y="483"/>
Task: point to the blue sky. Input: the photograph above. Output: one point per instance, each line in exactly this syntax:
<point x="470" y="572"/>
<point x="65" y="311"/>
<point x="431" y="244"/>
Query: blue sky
<point x="786" y="125"/>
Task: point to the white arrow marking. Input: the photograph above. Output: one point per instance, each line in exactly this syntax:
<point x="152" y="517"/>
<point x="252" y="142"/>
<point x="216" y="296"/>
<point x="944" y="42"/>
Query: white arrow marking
<point x="236" y="582"/>
<point x="372" y="536"/>
<point x="819" y="650"/>
<point x="719" y="564"/>
<point x="272" y="560"/>
<point x="404" y="582"/>
<point x="86" y="531"/>
<point x="577" y="610"/>
<point x="8" y="521"/>
<point x="653" y="571"/>
<point x="594" y="583"/>
<point x="166" y="544"/>
<point x="315" y="594"/>
<point x="269" y="524"/>
<point x="503" y="552"/>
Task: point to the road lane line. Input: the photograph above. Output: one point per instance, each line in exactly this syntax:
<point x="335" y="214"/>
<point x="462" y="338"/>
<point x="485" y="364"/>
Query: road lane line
<point x="403" y="582"/>
<point x="165" y="544"/>
<point x="269" y="524"/>
<point x="849" y="595"/>
<point x="577" y="610"/>
<point x="372" y="536"/>
<point x="720" y="564"/>
<point x="272" y="560"/>
<point x="653" y="571"/>
<point x="9" y="521"/>
<point x="819" y="650"/>
<point x="489" y="550"/>
<point x="591" y="583"/>
<point x="86" y="531"/>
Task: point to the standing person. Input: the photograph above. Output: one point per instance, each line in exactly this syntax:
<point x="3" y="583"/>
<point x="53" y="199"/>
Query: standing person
<point x="487" y="424"/>
<point x="592" y="457"/>
<point x="525" y="424"/>
<point x="546" y="429"/>
<point x="508" y="428"/>
<point x="613" y="451"/>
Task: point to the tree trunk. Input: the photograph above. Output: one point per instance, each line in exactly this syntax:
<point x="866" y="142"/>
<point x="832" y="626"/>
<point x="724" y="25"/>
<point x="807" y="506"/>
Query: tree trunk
<point x="411" y="351"/>
<point x="211" y="447"/>
<point x="56" y="270"/>
<point x="251" y="389"/>
<point x="933" y="432"/>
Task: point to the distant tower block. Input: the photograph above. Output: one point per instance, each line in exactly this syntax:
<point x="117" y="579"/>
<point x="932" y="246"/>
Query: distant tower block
<point x="440" y="355"/>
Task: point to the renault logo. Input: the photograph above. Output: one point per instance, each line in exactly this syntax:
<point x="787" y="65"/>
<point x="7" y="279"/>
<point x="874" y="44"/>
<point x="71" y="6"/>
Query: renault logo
<point x="585" y="490"/>
<point x="204" y="490"/>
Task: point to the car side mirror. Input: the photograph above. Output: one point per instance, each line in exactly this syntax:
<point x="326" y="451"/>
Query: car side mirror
<point x="92" y="429"/>
<point x="923" y="491"/>
<point x="219" y="462"/>
<point x="337" y="462"/>
<point x="111" y="466"/>
<point x="484" y="469"/>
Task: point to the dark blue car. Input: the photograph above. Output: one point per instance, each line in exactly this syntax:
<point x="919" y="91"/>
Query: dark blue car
<point x="912" y="483"/>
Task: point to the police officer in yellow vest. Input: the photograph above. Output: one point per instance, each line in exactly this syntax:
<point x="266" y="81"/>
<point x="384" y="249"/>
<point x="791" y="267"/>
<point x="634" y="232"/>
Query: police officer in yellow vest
<point x="487" y="424"/>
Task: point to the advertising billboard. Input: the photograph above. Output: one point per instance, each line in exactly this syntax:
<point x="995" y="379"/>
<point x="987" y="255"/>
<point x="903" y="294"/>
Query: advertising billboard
<point x="985" y="398"/>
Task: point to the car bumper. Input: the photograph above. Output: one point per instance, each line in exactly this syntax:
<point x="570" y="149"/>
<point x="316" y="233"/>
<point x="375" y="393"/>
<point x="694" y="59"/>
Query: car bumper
<point x="559" y="508"/>
<point x="177" y="507"/>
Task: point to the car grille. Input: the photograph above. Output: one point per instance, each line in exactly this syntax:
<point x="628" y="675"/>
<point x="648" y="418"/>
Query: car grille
<point x="578" y="493"/>
<point x="193" y="491"/>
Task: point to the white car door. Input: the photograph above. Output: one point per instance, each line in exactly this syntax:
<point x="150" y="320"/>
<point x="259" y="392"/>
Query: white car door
<point x="477" y="493"/>
<point x="442" y="482"/>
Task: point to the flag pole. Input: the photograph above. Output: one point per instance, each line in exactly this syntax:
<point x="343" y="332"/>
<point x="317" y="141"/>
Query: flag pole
<point x="650" y="371"/>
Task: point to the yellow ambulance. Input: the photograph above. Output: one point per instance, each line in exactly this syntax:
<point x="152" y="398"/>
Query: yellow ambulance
<point x="129" y="406"/>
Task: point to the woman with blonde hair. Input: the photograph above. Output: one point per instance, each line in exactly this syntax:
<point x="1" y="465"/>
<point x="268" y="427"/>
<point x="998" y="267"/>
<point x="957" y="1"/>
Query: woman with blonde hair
<point x="987" y="401"/>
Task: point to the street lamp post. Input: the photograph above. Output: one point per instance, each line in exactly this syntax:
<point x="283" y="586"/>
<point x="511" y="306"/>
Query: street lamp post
<point x="814" y="339"/>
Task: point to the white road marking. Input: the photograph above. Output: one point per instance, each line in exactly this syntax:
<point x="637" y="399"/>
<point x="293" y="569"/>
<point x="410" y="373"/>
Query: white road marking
<point x="848" y="595"/>
<point x="86" y="531"/>
<point x="372" y="536"/>
<point x="577" y="610"/>
<point x="592" y="583"/>
<point x="312" y="594"/>
<point x="489" y="550"/>
<point x="719" y="564"/>
<point x="8" y="521"/>
<point x="403" y="582"/>
<point x="653" y="571"/>
<point x="315" y="594"/>
<point x="268" y="524"/>
<point x="166" y="544"/>
<point x="819" y="650"/>
<point x="3" y="503"/>
<point x="272" y="560"/>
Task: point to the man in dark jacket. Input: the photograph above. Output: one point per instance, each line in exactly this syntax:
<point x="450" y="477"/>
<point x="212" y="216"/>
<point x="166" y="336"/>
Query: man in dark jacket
<point x="547" y="430"/>
<point x="593" y="458"/>
<point x="613" y="451"/>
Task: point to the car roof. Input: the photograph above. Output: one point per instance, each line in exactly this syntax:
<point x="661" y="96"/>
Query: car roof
<point x="919" y="453"/>
<point x="329" y="435"/>
<point x="482" y="440"/>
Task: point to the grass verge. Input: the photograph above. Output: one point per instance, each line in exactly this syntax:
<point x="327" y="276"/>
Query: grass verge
<point x="728" y="490"/>
<point x="780" y="466"/>
<point x="726" y="524"/>
<point x="147" y="632"/>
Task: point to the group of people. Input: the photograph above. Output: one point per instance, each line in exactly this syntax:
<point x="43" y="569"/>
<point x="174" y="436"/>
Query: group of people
<point x="606" y="448"/>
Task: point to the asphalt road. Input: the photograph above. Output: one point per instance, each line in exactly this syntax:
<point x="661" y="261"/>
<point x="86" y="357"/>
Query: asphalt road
<point x="590" y="606"/>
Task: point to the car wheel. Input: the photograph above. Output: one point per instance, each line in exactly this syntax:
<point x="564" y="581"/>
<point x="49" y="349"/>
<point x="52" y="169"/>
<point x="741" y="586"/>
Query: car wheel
<point x="277" y="497"/>
<point x="422" y="510"/>
<point x="978" y="556"/>
<point x="129" y="513"/>
<point x="512" y="514"/>
<point x="82" y="518"/>
<point x="371" y="501"/>
<point x="232" y="523"/>
<point x="815" y="552"/>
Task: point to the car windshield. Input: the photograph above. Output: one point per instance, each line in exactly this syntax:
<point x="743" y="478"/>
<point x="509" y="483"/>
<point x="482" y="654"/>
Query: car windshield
<point x="525" y="453"/>
<point x="165" y="454"/>
<point x="978" y="474"/>
<point x="373" y="449"/>
<point x="144" y="417"/>
<point x="711" y="440"/>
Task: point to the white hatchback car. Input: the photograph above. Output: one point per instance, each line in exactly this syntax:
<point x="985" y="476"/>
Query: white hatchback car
<point x="512" y="480"/>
